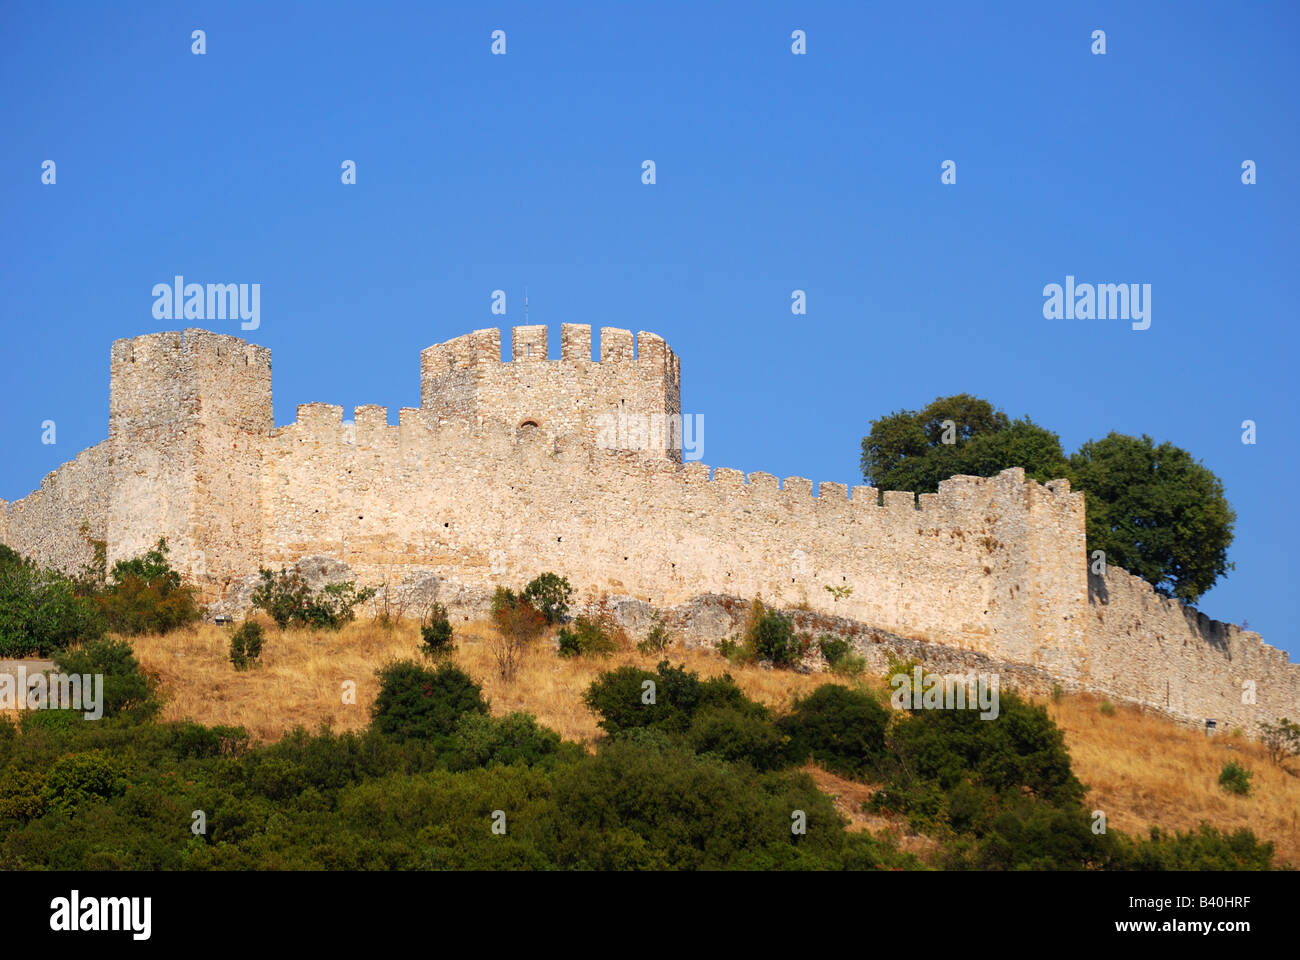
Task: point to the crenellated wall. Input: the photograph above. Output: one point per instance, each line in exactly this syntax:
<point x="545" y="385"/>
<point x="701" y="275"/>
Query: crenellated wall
<point x="465" y="379"/>
<point x="482" y="505"/>
<point x="995" y="567"/>
<point x="1156" y="650"/>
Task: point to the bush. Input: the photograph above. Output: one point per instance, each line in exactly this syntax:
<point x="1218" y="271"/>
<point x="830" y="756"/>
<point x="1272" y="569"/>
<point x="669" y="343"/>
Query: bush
<point x="287" y="599"/>
<point x="549" y="594"/>
<point x="1020" y="755"/>
<point x="126" y="688"/>
<point x="80" y="777"/>
<point x="1281" y="739"/>
<point x="417" y="703"/>
<point x="21" y="794"/>
<point x="518" y="626"/>
<point x="436" y="633"/>
<point x="842" y="730"/>
<point x="772" y="638"/>
<point x="147" y="596"/>
<point x="483" y="740"/>
<point x="590" y="635"/>
<point x="736" y="737"/>
<point x="667" y="699"/>
<point x="834" y="649"/>
<point x="657" y="640"/>
<point x="638" y="806"/>
<point x="503" y="598"/>
<point x="840" y="656"/>
<point x="1205" y="848"/>
<point x="850" y="665"/>
<point x="40" y="612"/>
<point x="1235" y="778"/>
<point x="246" y="644"/>
<point x="1107" y="708"/>
<point x="767" y="635"/>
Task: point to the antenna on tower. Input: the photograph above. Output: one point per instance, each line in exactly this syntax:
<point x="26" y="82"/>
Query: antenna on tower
<point x="525" y="306"/>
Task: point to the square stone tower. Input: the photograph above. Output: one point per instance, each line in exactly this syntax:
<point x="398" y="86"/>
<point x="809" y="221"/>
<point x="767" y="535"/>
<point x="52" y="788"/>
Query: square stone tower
<point x="187" y="415"/>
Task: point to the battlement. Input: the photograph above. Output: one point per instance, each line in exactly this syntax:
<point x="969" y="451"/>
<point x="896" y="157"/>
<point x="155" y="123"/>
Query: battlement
<point x="481" y="349"/>
<point x="193" y="345"/>
<point x="500" y="474"/>
<point x="466" y="379"/>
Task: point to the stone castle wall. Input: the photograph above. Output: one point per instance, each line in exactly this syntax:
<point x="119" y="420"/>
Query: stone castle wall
<point x="188" y="415"/>
<point x="55" y="524"/>
<point x="464" y="379"/>
<point x="456" y="490"/>
<point x="1158" y="651"/>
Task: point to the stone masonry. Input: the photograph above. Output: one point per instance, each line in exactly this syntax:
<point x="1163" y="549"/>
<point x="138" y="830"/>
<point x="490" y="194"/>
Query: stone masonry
<point x="498" y="476"/>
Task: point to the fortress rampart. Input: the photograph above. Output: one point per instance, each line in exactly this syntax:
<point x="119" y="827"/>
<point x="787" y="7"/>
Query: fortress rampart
<point x="497" y="477"/>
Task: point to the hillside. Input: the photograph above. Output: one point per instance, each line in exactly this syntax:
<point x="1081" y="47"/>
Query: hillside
<point x="1141" y="769"/>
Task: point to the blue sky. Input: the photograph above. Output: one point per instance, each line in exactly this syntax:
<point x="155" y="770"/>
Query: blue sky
<point x="775" y="172"/>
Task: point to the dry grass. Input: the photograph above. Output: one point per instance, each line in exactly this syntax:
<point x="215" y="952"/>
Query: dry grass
<point x="1142" y="769"/>
<point x="301" y="676"/>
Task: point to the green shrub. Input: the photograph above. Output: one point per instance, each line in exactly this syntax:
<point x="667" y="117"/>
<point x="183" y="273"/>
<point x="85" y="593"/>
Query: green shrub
<point x="733" y="651"/>
<point x="767" y="635"/>
<point x="657" y="640"/>
<point x="1280" y="739"/>
<point x="643" y="806"/>
<point x="1107" y="708"/>
<point x="737" y="736"/>
<point x="1206" y="848"/>
<point x="246" y="644"/>
<point x="287" y="599"/>
<point x="503" y="598"/>
<point x="1021" y="753"/>
<point x="282" y="596"/>
<point x="126" y="688"/>
<point x="483" y="740"/>
<point x="40" y="612"/>
<point x="436" y="632"/>
<point x="850" y="665"/>
<point x="842" y="730"/>
<point x="1235" y="778"/>
<point x="418" y="703"/>
<point x="80" y="777"/>
<point x="590" y="635"/>
<point x="147" y="596"/>
<point x="773" y="638"/>
<point x="549" y="594"/>
<point x="22" y="794"/>
<point x="840" y="656"/>
<point x="667" y="699"/>
<point x="833" y="648"/>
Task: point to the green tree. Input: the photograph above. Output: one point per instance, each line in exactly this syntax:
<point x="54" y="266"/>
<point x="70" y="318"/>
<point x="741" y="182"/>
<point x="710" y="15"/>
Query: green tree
<point x="1155" y="511"/>
<point x="914" y="450"/>
<point x="246" y="644"/>
<point x="417" y="703"/>
<point x="550" y="594"/>
<point x="39" y="610"/>
<point x="147" y="596"/>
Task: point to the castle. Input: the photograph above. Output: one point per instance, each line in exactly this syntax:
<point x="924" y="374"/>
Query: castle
<point x="498" y="476"/>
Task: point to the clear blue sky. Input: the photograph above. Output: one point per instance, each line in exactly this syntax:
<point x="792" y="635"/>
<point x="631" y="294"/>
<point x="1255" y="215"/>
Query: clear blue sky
<point x="775" y="172"/>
